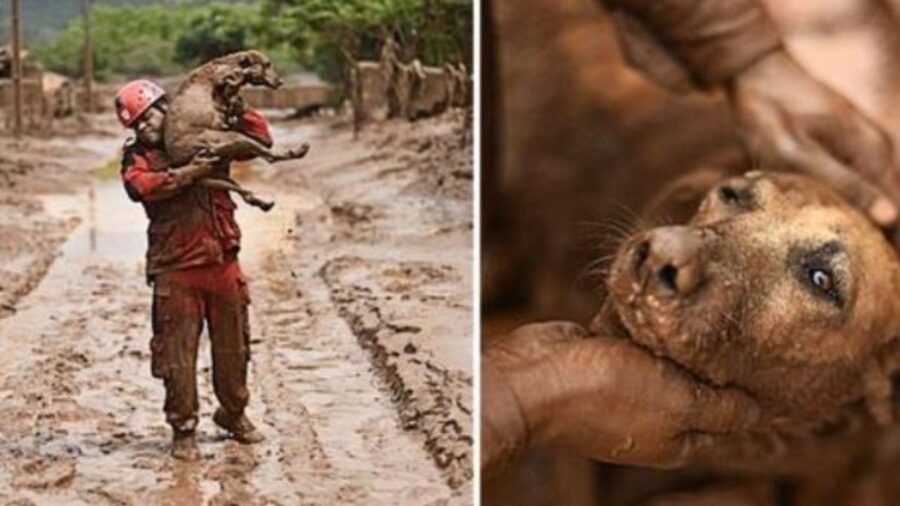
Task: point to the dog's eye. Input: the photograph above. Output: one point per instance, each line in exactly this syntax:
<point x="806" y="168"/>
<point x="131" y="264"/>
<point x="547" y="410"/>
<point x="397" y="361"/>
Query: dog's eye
<point x="822" y="280"/>
<point x="246" y="62"/>
<point x="822" y="270"/>
<point x="729" y="195"/>
<point x="825" y="283"/>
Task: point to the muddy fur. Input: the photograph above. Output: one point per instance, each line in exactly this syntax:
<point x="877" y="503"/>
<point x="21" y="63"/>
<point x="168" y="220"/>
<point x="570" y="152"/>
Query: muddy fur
<point x="756" y="320"/>
<point x="206" y="108"/>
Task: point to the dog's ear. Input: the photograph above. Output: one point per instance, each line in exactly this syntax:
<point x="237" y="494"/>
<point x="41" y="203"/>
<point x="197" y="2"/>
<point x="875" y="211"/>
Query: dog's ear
<point x="881" y="379"/>
<point x="881" y="384"/>
<point x="234" y="79"/>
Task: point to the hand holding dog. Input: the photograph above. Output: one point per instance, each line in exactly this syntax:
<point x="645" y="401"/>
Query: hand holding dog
<point x="603" y="398"/>
<point x="789" y="118"/>
<point x="200" y="166"/>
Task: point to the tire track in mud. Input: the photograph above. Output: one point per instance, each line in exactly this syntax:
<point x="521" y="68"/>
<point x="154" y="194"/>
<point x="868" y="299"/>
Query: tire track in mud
<point x="431" y="398"/>
<point x="389" y="243"/>
<point x="338" y="428"/>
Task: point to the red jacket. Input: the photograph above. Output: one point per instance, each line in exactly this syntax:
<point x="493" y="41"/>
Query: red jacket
<point x="190" y="226"/>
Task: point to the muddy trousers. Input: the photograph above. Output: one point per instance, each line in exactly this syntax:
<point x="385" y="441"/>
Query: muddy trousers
<point x="182" y="302"/>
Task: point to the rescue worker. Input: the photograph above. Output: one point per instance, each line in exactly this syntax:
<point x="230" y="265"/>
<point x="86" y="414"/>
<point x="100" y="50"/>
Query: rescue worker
<point x="192" y="264"/>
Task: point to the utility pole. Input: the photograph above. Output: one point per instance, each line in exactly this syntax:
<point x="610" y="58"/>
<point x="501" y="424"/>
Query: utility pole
<point x="16" y="69"/>
<point x="88" y="56"/>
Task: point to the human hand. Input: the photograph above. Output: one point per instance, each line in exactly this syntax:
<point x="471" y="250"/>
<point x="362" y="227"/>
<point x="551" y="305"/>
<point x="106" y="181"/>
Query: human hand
<point x="201" y="165"/>
<point x="607" y="399"/>
<point x="789" y="118"/>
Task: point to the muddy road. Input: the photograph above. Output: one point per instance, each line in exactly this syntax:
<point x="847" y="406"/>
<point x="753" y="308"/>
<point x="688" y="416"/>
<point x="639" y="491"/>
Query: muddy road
<point x="361" y="355"/>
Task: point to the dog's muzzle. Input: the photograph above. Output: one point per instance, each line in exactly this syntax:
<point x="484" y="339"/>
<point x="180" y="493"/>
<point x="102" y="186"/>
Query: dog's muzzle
<point x="273" y="80"/>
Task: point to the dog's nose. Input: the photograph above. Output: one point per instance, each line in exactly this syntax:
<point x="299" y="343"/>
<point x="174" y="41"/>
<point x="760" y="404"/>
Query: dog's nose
<point x="669" y="257"/>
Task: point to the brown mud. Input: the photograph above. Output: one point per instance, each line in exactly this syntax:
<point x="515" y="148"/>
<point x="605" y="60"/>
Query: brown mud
<point x="361" y="368"/>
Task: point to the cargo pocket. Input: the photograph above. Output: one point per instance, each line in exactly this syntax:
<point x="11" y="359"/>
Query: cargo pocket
<point x="161" y="322"/>
<point x="162" y="243"/>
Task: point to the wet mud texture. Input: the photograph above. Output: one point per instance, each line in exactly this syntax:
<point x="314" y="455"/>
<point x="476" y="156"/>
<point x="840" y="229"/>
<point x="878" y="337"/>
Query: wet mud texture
<point x="31" y="237"/>
<point x="394" y="257"/>
<point x="83" y="422"/>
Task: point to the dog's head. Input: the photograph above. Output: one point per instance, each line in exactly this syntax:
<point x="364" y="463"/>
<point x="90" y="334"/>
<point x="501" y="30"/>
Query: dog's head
<point x="246" y="67"/>
<point x="776" y="286"/>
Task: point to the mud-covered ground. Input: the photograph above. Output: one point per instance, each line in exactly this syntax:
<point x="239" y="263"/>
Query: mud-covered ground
<point x="361" y="372"/>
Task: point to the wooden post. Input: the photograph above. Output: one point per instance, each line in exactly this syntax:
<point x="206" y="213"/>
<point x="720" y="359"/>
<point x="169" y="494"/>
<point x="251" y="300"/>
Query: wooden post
<point x="88" y="57"/>
<point x="17" y="69"/>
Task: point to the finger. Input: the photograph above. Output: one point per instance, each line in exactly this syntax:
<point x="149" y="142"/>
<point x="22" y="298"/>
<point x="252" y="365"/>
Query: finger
<point x="208" y="162"/>
<point x="869" y="150"/>
<point x="809" y="157"/>
<point x="532" y="342"/>
<point x="547" y="333"/>
<point x="766" y="132"/>
<point x="877" y="157"/>
<point x="721" y="410"/>
<point x="738" y="451"/>
<point x="858" y="143"/>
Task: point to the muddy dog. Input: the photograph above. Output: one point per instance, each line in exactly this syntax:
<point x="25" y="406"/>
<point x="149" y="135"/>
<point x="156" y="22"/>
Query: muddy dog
<point x="777" y="287"/>
<point x="206" y="108"/>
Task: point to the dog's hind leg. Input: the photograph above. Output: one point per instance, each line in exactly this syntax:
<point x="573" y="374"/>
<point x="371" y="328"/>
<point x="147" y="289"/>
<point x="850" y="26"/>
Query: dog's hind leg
<point x="290" y="154"/>
<point x="231" y="145"/>
<point x="230" y="185"/>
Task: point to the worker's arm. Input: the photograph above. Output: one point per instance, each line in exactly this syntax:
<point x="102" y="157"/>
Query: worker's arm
<point x="143" y="183"/>
<point x="551" y="384"/>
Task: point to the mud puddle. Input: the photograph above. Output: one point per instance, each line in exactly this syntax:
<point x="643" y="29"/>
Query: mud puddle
<point x="114" y="228"/>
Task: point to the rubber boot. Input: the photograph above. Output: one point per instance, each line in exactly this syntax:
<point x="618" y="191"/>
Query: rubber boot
<point x="184" y="447"/>
<point x="240" y="428"/>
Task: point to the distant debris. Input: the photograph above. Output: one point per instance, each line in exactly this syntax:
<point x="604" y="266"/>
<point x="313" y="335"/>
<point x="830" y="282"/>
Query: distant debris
<point x="390" y="88"/>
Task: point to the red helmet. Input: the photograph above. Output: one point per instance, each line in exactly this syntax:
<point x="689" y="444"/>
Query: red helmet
<point x="135" y="98"/>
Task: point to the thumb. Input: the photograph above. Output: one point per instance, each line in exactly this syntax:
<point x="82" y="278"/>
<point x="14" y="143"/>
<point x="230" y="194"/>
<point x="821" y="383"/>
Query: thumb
<point x="721" y="410"/>
<point x="863" y="150"/>
<point x="809" y="156"/>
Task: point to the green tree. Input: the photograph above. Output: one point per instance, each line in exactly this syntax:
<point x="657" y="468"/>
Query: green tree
<point x="331" y="34"/>
<point x="216" y="31"/>
<point x="324" y="35"/>
<point x="129" y="41"/>
<point x="159" y="40"/>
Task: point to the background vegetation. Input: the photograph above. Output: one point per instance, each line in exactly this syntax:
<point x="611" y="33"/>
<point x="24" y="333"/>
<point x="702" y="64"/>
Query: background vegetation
<point x="324" y="36"/>
<point x="329" y="33"/>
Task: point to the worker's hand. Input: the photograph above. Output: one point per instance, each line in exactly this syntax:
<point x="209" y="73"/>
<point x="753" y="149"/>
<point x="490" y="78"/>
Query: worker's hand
<point x="200" y="166"/>
<point x="606" y="399"/>
<point x="790" y="119"/>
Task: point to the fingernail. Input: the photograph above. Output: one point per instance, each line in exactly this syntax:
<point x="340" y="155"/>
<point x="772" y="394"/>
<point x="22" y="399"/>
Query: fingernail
<point x="883" y="211"/>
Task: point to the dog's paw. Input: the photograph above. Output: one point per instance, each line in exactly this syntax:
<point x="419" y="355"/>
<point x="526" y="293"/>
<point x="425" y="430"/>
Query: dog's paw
<point x="299" y="152"/>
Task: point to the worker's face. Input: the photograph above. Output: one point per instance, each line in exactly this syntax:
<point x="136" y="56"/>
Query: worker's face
<point x="149" y="127"/>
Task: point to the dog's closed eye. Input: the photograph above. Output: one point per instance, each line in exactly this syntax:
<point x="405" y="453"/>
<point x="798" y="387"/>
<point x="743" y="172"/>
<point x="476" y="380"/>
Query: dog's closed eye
<point x="246" y="62"/>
